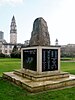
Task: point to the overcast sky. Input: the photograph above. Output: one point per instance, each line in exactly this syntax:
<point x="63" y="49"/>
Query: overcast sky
<point x="59" y="15"/>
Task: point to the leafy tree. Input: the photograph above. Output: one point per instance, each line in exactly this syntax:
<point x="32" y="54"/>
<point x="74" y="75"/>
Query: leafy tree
<point x="2" y="55"/>
<point x="15" y="52"/>
<point x="15" y="48"/>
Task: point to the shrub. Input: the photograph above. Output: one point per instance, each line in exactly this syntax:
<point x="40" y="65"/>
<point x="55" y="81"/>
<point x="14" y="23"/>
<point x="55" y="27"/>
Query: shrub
<point x="15" y="55"/>
<point x="2" y="55"/>
<point x="15" y="52"/>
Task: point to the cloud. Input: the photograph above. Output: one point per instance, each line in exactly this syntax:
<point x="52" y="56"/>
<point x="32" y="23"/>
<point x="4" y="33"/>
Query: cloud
<point x="12" y="2"/>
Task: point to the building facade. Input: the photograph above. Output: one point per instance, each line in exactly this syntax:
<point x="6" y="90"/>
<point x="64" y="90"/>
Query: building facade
<point x="1" y="36"/>
<point x="1" y="40"/>
<point x="6" y="48"/>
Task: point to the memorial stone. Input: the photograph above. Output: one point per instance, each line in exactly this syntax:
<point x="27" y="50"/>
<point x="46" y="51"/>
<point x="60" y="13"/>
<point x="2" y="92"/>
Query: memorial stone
<point x="41" y="58"/>
<point x="40" y="35"/>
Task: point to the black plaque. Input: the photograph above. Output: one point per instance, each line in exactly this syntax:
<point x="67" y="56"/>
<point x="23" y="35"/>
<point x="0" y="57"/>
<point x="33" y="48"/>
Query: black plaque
<point x="30" y="59"/>
<point x="49" y="59"/>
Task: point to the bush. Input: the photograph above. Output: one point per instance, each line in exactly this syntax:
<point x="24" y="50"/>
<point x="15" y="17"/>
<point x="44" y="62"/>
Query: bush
<point x="2" y="55"/>
<point x="15" y="52"/>
<point x="15" y="55"/>
<point x="7" y="56"/>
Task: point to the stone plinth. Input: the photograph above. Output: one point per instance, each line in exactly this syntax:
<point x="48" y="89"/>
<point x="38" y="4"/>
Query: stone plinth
<point x="41" y="59"/>
<point x="41" y="77"/>
<point x="61" y="80"/>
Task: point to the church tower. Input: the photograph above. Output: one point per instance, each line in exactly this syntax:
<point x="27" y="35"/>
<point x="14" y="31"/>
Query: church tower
<point x="13" y="31"/>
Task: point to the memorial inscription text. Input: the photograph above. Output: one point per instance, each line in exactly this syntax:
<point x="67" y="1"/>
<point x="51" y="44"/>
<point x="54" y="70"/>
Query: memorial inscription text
<point x="49" y="59"/>
<point x="30" y="59"/>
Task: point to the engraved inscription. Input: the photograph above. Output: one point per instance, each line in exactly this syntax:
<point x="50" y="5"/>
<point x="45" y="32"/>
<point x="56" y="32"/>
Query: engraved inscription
<point x="49" y="59"/>
<point x="30" y="59"/>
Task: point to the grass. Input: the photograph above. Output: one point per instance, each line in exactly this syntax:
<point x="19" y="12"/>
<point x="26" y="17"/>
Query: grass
<point x="9" y="91"/>
<point x="8" y="64"/>
<point x="68" y="67"/>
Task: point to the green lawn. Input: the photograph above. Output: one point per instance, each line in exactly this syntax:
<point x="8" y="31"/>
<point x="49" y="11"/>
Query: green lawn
<point x="8" y="64"/>
<point x="68" y="67"/>
<point x="9" y="91"/>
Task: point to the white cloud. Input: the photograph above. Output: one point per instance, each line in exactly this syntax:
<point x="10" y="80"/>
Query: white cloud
<point x="13" y="2"/>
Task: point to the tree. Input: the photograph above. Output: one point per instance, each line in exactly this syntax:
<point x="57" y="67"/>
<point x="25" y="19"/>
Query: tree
<point x="15" y="48"/>
<point x="15" y="52"/>
<point x="2" y="55"/>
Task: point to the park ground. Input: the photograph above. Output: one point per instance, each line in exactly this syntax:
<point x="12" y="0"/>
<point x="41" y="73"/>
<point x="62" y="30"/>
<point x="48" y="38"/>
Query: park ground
<point x="9" y="91"/>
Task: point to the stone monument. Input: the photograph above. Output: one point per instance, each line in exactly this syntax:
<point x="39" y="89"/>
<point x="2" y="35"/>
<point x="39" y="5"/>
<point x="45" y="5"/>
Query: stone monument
<point x="40" y="63"/>
<point x="40" y="35"/>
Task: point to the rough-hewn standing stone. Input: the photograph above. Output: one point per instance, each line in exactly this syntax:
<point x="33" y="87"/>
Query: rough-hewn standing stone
<point x="40" y="35"/>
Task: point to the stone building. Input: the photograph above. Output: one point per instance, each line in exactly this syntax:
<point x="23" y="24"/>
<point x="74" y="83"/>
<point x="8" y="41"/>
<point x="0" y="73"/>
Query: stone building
<point x="6" y="48"/>
<point x="0" y="46"/>
<point x="68" y="50"/>
<point x="13" y="31"/>
<point x="1" y="36"/>
<point x="1" y="40"/>
<point x="56" y="42"/>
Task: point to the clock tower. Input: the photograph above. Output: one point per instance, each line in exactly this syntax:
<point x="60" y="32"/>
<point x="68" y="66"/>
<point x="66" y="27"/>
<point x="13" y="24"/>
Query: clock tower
<point x="13" y="31"/>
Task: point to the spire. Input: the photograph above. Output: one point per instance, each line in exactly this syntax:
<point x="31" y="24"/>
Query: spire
<point x="56" y="42"/>
<point x="13" y="26"/>
<point x="13" y="18"/>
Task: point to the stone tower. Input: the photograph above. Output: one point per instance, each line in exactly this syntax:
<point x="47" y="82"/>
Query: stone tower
<point x="56" y="42"/>
<point x="13" y="31"/>
<point x="40" y="35"/>
<point x="1" y="36"/>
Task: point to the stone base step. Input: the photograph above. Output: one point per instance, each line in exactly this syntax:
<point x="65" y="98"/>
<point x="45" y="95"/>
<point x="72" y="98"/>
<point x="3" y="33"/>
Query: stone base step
<point x="36" y="86"/>
<point x="41" y="77"/>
